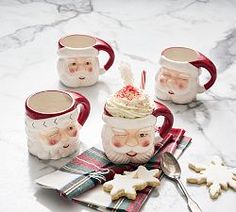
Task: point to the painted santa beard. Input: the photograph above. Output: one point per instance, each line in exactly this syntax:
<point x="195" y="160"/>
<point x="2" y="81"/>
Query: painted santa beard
<point x="123" y="158"/>
<point x="178" y="99"/>
<point x="40" y="147"/>
<point x="80" y="77"/>
<point x="65" y="150"/>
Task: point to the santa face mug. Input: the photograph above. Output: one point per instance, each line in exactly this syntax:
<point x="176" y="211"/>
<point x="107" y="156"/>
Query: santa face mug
<point x="178" y="77"/>
<point x="133" y="140"/>
<point x="78" y="63"/>
<point x="53" y="122"/>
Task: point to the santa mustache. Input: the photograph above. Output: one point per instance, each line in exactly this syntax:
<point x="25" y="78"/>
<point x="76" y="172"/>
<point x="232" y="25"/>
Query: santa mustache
<point x="175" y="89"/>
<point x="77" y="74"/>
<point x="124" y="158"/>
<point x="136" y="149"/>
<point x="64" y="144"/>
<point x="34" y="136"/>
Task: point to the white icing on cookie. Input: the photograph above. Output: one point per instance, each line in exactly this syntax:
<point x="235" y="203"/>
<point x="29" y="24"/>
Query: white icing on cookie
<point x="215" y="174"/>
<point x="148" y="176"/>
<point x="124" y="185"/>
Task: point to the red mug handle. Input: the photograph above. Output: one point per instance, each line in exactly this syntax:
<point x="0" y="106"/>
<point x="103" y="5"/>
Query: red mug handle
<point x="102" y="45"/>
<point x="162" y="110"/>
<point x="204" y="62"/>
<point x="84" y="106"/>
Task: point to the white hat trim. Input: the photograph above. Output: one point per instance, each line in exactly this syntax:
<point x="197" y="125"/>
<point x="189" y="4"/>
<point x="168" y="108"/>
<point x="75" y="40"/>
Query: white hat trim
<point x="66" y="52"/>
<point x="58" y="121"/>
<point x="123" y="123"/>
<point x="179" y="66"/>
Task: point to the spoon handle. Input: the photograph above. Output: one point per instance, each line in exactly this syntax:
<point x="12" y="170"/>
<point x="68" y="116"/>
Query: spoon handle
<point x="192" y="205"/>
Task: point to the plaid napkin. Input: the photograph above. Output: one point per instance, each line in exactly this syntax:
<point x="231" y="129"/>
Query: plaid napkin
<point x="93" y="168"/>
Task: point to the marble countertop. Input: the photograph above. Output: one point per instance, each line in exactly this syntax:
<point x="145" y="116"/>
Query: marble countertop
<point x="138" y="31"/>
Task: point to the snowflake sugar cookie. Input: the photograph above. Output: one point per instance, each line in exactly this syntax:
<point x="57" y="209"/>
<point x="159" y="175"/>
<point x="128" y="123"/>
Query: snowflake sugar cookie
<point x="127" y="184"/>
<point x="149" y="176"/>
<point x="215" y="174"/>
<point x="124" y="185"/>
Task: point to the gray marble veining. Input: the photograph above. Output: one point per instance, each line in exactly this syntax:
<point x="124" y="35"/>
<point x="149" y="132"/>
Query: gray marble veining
<point x="138" y="31"/>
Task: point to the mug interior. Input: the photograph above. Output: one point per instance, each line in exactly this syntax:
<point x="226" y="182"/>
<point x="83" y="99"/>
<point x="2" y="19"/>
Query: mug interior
<point x="78" y="41"/>
<point x="181" y="54"/>
<point x="50" y="102"/>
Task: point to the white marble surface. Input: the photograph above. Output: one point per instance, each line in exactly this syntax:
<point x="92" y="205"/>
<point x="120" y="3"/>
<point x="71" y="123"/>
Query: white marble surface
<point x="138" y="31"/>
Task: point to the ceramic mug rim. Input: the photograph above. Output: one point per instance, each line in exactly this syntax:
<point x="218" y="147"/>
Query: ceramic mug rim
<point x="61" y="45"/>
<point x="167" y="50"/>
<point x="33" y="113"/>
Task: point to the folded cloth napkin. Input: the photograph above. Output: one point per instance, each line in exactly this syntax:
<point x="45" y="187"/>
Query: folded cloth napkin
<point x="93" y="168"/>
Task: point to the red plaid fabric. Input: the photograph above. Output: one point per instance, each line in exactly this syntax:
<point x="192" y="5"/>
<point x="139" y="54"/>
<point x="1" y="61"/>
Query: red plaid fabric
<point x="93" y="168"/>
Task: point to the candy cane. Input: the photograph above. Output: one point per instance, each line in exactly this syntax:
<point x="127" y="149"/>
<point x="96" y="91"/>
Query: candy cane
<point x="143" y="79"/>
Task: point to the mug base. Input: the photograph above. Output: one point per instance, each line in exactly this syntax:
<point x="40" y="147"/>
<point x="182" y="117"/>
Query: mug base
<point x="36" y="151"/>
<point x="68" y="85"/>
<point x="42" y="157"/>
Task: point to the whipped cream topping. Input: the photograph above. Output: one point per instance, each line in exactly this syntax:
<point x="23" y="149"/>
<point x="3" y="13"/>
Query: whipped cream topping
<point x="129" y="102"/>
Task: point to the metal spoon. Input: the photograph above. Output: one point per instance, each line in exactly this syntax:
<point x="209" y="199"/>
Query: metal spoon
<point x="171" y="169"/>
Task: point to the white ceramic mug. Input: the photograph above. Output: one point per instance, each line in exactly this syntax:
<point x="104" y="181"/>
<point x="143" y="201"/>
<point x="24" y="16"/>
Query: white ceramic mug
<point x="133" y="140"/>
<point x="53" y="122"/>
<point x="78" y="63"/>
<point x="178" y="77"/>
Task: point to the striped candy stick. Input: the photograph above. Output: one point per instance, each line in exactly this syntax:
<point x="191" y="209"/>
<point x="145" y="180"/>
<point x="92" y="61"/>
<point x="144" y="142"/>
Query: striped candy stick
<point x="143" y="80"/>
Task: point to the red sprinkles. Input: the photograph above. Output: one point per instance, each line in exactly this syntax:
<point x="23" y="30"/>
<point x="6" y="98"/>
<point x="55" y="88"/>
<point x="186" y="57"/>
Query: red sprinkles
<point x="128" y="92"/>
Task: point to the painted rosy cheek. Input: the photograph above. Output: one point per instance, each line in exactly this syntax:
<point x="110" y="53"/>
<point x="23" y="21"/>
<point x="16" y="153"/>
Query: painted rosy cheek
<point x="72" y="69"/>
<point x="145" y="143"/>
<point x="182" y="84"/>
<point x="90" y="69"/>
<point x="74" y="133"/>
<point x="117" y="143"/>
<point x="53" y="142"/>
<point x="162" y="80"/>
